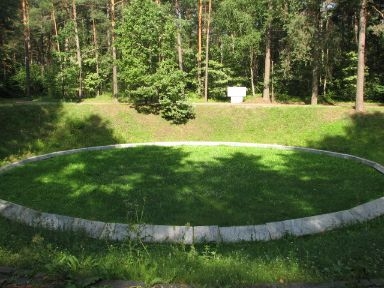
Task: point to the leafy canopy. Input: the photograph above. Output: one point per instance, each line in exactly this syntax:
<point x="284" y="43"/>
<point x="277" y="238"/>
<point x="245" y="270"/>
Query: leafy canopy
<point x="148" y="64"/>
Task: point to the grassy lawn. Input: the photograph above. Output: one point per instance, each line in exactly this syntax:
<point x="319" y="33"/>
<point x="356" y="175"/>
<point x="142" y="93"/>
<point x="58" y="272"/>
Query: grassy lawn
<point x="197" y="185"/>
<point x="347" y="254"/>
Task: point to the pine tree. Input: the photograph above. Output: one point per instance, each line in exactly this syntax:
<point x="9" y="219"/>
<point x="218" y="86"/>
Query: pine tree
<point x="359" y="106"/>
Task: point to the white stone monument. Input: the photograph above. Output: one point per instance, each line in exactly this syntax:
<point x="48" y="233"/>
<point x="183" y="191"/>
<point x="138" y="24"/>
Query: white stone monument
<point x="237" y="94"/>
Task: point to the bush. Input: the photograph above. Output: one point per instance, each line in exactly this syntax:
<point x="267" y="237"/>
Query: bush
<point x="178" y="112"/>
<point x="153" y="81"/>
<point x="36" y="80"/>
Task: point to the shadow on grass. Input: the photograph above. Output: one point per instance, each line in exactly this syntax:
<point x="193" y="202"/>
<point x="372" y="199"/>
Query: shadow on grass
<point x="24" y="127"/>
<point x="364" y="137"/>
<point x="167" y="185"/>
<point x="29" y="129"/>
<point x="150" y="108"/>
<point x="90" y="130"/>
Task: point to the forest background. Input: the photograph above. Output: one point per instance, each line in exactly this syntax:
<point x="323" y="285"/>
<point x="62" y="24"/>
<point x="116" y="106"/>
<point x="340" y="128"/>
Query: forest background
<point x="163" y="53"/>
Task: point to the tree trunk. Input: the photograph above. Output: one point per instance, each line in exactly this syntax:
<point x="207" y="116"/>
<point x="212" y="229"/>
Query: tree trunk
<point x="53" y="15"/>
<point x="115" y="89"/>
<point x="78" y="49"/>
<point x="315" y="83"/>
<point x="251" y="64"/>
<point x="267" y="63"/>
<point x="207" y="51"/>
<point x="316" y="56"/>
<point x="356" y="28"/>
<point x="96" y="46"/>
<point x="325" y="60"/>
<point x="27" y="47"/>
<point x="267" y="68"/>
<point x="359" y="106"/>
<point x="179" y="40"/>
<point x="272" y="87"/>
<point x="199" y="45"/>
<point x="3" y="63"/>
<point x="55" y="28"/>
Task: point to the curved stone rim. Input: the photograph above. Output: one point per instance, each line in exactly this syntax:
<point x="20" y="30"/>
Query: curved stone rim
<point x="194" y="234"/>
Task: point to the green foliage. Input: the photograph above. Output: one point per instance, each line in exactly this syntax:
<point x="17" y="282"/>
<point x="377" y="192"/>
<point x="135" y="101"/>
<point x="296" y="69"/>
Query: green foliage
<point x="220" y="77"/>
<point x="92" y="82"/>
<point x="375" y="89"/>
<point x="169" y="81"/>
<point x="148" y="66"/>
<point x="10" y="47"/>
<point x="239" y="44"/>
<point x="37" y="80"/>
<point x="178" y="112"/>
<point x="51" y="85"/>
<point x="170" y="86"/>
<point x="68" y="79"/>
<point x="299" y="39"/>
<point x="145" y="40"/>
<point x="92" y="79"/>
<point x="377" y="30"/>
<point x="147" y="37"/>
<point x="343" y="84"/>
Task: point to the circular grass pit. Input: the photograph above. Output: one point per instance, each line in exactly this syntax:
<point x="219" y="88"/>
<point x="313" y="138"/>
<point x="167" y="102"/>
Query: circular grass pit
<point x="192" y="183"/>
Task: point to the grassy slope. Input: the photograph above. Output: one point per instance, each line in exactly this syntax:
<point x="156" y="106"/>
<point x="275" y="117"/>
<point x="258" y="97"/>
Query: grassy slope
<point x="34" y="129"/>
<point x="348" y="254"/>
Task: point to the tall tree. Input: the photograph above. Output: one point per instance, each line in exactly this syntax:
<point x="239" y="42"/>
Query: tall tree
<point x="78" y="49"/>
<point x="9" y="33"/>
<point x="316" y="55"/>
<point x="179" y="38"/>
<point x="330" y="43"/>
<point x="199" y="44"/>
<point x="27" y="46"/>
<point x="267" y="58"/>
<point x="148" y="66"/>
<point x="207" y="50"/>
<point x="115" y="88"/>
<point x="238" y="41"/>
<point x="359" y="106"/>
<point x="302" y="47"/>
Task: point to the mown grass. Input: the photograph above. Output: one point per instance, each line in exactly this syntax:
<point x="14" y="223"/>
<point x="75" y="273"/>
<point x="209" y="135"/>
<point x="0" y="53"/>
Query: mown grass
<point x="40" y="128"/>
<point x="195" y="185"/>
<point x="346" y="254"/>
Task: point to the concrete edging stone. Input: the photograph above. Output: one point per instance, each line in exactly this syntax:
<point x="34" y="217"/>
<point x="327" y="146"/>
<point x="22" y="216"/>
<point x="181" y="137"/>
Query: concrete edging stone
<point x="197" y="234"/>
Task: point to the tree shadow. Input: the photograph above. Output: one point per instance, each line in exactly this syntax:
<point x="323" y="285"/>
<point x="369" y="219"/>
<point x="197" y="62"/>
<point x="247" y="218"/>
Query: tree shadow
<point x="147" y="108"/>
<point x="30" y="129"/>
<point x="89" y="130"/>
<point x="364" y="137"/>
<point x="167" y="185"/>
<point x="24" y="128"/>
